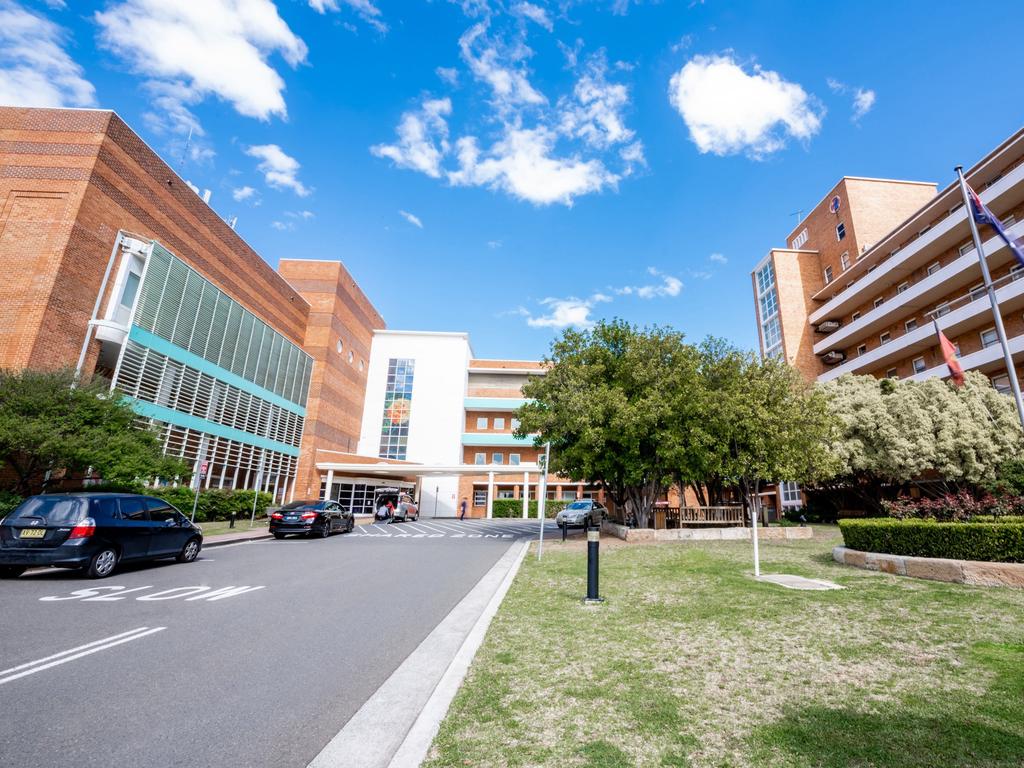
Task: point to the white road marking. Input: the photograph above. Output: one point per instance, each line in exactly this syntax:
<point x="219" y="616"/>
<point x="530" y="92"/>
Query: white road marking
<point x="30" y="668"/>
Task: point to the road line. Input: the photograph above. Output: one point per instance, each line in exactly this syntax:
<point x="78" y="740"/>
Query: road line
<point x="110" y="642"/>
<point x="432" y="527"/>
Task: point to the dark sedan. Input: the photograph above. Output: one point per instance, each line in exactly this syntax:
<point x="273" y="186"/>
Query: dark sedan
<point x="311" y="518"/>
<point x="94" y="532"/>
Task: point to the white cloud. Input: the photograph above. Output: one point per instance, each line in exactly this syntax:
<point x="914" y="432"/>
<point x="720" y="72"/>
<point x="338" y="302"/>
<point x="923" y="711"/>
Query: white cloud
<point x="242" y="193"/>
<point x="367" y="11"/>
<point x="523" y="165"/>
<point x="283" y="226"/>
<point x="449" y="75"/>
<point x="595" y="111"/>
<point x="534" y="13"/>
<point x="306" y="215"/>
<point x="35" y="70"/>
<point x="494" y="244"/>
<point x="863" y="98"/>
<point x="863" y="101"/>
<point x="718" y="258"/>
<point x="411" y="218"/>
<point x="728" y="110"/>
<point x="422" y="139"/>
<point x="499" y="66"/>
<point x="279" y="170"/>
<point x="701" y="274"/>
<point x="669" y="286"/>
<point x="562" y="313"/>
<point x="212" y="48"/>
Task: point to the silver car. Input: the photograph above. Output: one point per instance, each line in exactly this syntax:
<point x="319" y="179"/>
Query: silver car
<point x="581" y="514"/>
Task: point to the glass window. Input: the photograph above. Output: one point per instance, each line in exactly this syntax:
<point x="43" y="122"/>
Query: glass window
<point x="133" y="509"/>
<point x="1002" y="384"/>
<point x="1017" y="272"/>
<point x="394" y="436"/>
<point x="55" y="510"/>
<point x="885" y="338"/>
<point x="862" y="349"/>
<point x="879" y="302"/>
<point x="568" y="495"/>
<point x="828" y="274"/>
<point x="844" y="260"/>
<point x="902" y="287"/>
<point x="104" y="508"/>
<point x="892" y="374"/>
<point x="977" y="292"/>
<point x="855" y="317"/>
<point x="933" y="268"/>
<point x="840" y="231"/>
<point x="506" y="493"/>
<point x="513" y="458"/>
<point x="160" y="510"/>
<point x="481" y="422"/>
<point x="480" y="458"/>
<point x="910" y="325"/>
<point x="766" y="278"/>
<point x="499" y="422"/>
<point x="942" y="309"/>
<point x="515" y="424"/>
<point x="968" y="246"/>
<point x="989" y="337"/>
<point x="131" y="288"/>
<point x="498" y="458"/>
<point x="790" y="494"/>
<point x="919" y="365"/>
<point x="479" y="497"/>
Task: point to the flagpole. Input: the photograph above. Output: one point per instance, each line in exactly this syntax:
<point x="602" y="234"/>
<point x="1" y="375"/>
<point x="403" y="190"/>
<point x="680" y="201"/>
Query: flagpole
<point x="997" y="316"/>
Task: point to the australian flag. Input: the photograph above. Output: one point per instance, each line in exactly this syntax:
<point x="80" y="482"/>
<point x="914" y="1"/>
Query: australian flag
<point x="982" y="215"/>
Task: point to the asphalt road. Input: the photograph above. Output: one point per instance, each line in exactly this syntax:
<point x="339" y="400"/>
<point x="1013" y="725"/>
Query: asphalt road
<point x="192" y="673"/>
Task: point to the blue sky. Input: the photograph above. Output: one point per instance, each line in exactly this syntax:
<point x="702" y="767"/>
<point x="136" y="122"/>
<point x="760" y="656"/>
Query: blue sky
<point x="506" y="168"/>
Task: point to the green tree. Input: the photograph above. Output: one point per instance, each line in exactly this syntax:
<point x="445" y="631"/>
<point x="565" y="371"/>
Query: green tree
<point x="894" y="433"/>
<point x="47" y="424"/>
<point x="760" y="423"/>
<point x="613" y="406"/>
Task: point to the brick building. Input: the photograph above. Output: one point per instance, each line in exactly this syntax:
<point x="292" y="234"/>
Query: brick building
<point x="113" y="265"/>
<point x="876" y="261"/>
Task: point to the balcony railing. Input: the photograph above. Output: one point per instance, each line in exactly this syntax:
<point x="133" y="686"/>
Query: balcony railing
<point x="678" y="517"/>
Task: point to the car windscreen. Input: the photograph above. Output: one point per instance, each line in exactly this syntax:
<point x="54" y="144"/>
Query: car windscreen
<point x="55" y="510"/>
<point x="303" y="505"/>
<point x="579" y="505"/>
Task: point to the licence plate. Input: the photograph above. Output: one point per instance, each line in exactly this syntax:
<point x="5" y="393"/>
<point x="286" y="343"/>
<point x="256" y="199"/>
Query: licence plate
<point x="291" y="519"/>
<point x="33" y="533"/>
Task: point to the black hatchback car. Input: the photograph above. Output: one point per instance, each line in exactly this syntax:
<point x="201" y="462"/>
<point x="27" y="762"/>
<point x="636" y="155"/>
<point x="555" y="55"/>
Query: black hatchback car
<point x="311" y="518"/>
<point x="94" y="532"/>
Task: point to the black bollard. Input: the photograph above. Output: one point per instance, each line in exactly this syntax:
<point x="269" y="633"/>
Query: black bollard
<point x="565" y="530"/>
<point x="593" y="547"/>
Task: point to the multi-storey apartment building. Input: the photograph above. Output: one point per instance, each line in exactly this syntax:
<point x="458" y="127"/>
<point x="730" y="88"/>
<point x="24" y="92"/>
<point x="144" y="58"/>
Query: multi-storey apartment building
<point x="113" y="265"/>
<point x="873" y="264"/>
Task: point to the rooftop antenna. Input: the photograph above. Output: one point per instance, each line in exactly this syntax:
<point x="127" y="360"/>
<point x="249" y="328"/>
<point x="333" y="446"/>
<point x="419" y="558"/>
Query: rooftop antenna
<point x="232" y="221"/>
<point x="184" y="151"/>
<point x="799" y="214"/>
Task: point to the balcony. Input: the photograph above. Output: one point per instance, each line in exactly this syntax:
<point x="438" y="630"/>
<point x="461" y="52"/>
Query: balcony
<point x="970" y="316"/>
<point x="961" y="273"/>
<point x="496" y="439"/>
<point x="985" y="360"/>
<point x="494" y="403"/>
<point x="946" y="234"/>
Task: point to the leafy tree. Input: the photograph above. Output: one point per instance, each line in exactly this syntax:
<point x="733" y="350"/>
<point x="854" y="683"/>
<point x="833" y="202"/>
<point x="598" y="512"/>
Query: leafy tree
<point x="48" y="424"/>
<point x="613" y="405"/>
<point x="894" y="433"/>
<point x="761" y="423"/>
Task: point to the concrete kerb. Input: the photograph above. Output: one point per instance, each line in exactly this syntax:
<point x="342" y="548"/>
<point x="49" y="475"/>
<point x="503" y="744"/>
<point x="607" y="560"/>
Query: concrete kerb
<point x="379" y="734"/>
<point x="969" y="572"/>
<point x="235" y="538"/>
<point x="705" y="534"/>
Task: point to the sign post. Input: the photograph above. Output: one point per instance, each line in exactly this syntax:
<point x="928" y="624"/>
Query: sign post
<point x="259" y="486"/>
<point x="543" y="497"/>
<point x="198" y="476"/>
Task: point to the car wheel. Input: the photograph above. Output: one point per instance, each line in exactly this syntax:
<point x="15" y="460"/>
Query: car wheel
<point x="351" y="525"/>
<point x="11" y="571"/>
<point x="325" y="529"/>
<point x="189" y="552"/>
<point x="102" y="564"/>
<point x="278" y="535"/>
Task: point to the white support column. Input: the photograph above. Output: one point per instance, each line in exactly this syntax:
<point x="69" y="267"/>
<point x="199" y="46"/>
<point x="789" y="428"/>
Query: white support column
<point x="234" y="480"/>
<point x="277" y="481"/>
<point x="330" y="484"/>
<point x="490" y="495"/>
<point x="526" y="495"/>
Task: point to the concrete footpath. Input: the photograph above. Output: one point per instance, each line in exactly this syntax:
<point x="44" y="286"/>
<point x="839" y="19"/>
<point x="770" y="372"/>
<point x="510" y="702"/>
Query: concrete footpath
<point x="396" y="726"/>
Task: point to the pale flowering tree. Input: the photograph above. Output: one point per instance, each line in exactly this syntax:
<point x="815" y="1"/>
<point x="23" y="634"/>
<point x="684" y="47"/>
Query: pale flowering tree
<point x="895" y="433"/>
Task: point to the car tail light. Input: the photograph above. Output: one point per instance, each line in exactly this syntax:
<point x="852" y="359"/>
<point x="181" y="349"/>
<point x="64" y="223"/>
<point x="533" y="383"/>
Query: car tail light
<point x="308" y="515"/>
<point x="83" y="529"/>
<point x="276" y="516"/>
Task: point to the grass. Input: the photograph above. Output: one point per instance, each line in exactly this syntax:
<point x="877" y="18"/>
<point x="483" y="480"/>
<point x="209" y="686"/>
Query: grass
<point x="690" y="662"/>
<point x="241" y="526"/>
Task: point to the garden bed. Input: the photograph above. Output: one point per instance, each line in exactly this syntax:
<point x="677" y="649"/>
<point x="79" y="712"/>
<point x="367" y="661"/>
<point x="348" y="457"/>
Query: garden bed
<point x="999" y="542"/>
<point x="704" y="534"/>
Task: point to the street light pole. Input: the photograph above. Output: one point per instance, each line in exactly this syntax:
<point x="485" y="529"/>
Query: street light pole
<point x="997" y="317"/>
<point x="542" y="501"/>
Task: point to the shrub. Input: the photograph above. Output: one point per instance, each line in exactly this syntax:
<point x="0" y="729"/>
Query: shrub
<point x="514" y="508"/>
<point x="8" y="502"/>
<point x="214" y="504"/>
<point x="959" y="507"/>
<point x="996" y="542"/>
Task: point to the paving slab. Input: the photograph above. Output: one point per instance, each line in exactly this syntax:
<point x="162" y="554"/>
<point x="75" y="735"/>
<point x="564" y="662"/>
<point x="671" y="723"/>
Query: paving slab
<point x="797" y="582"/>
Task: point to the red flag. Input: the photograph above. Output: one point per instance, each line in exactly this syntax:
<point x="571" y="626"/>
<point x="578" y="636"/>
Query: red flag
<point x="956" y="371"/>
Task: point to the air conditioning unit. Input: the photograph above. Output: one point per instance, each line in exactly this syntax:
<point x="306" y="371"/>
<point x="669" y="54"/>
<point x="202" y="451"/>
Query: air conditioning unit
<point x="827" y="326"/>
<point x="834" y="357"/>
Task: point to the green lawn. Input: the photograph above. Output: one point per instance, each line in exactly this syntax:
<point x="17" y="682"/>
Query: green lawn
<point x="692" y="663"/>
<point x="241" y="526"/>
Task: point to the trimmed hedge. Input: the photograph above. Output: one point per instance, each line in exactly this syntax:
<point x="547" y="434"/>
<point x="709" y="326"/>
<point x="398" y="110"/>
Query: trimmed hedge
<point x="514" y="507"/>
<point x="993" y="542"/>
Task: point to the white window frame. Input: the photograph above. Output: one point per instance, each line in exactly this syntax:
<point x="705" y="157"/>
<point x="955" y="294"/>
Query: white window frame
<point x="790" y="494"/>
<point x="904" y="286"/>
<point x="1002" y="384"/>
<point x="499" y="423"/>
<point x="966" y="247"/>
<point x="892" y="373"/>
<point x="800" y="239"/>
<point x="941" y="309"/>
<point x="855" y="317"/>
<point x="840" y="231"/>
<point x="844" y="260"/>
<point x="933" y="268"/>
<point x="514" y="423"/>
<point x="514" y="459"/>
<point x="879" y="301"/>
<point x="977" y="292"/>
<point x="828" y="274"/>
<point x="479" y="497"/>
<point x="498" y="457"/>
<point x="862" y="350"/>
<point x="482" y="422"/>
<point x="884" y="338"/>
<point x="922" y="368"/>
<point x="479" y="458"/>
<point x="907" y="327"/>
<point x="995" y="338"/>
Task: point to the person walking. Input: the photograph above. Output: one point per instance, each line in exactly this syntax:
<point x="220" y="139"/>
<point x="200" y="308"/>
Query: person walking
<point x="462" y="508"/>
